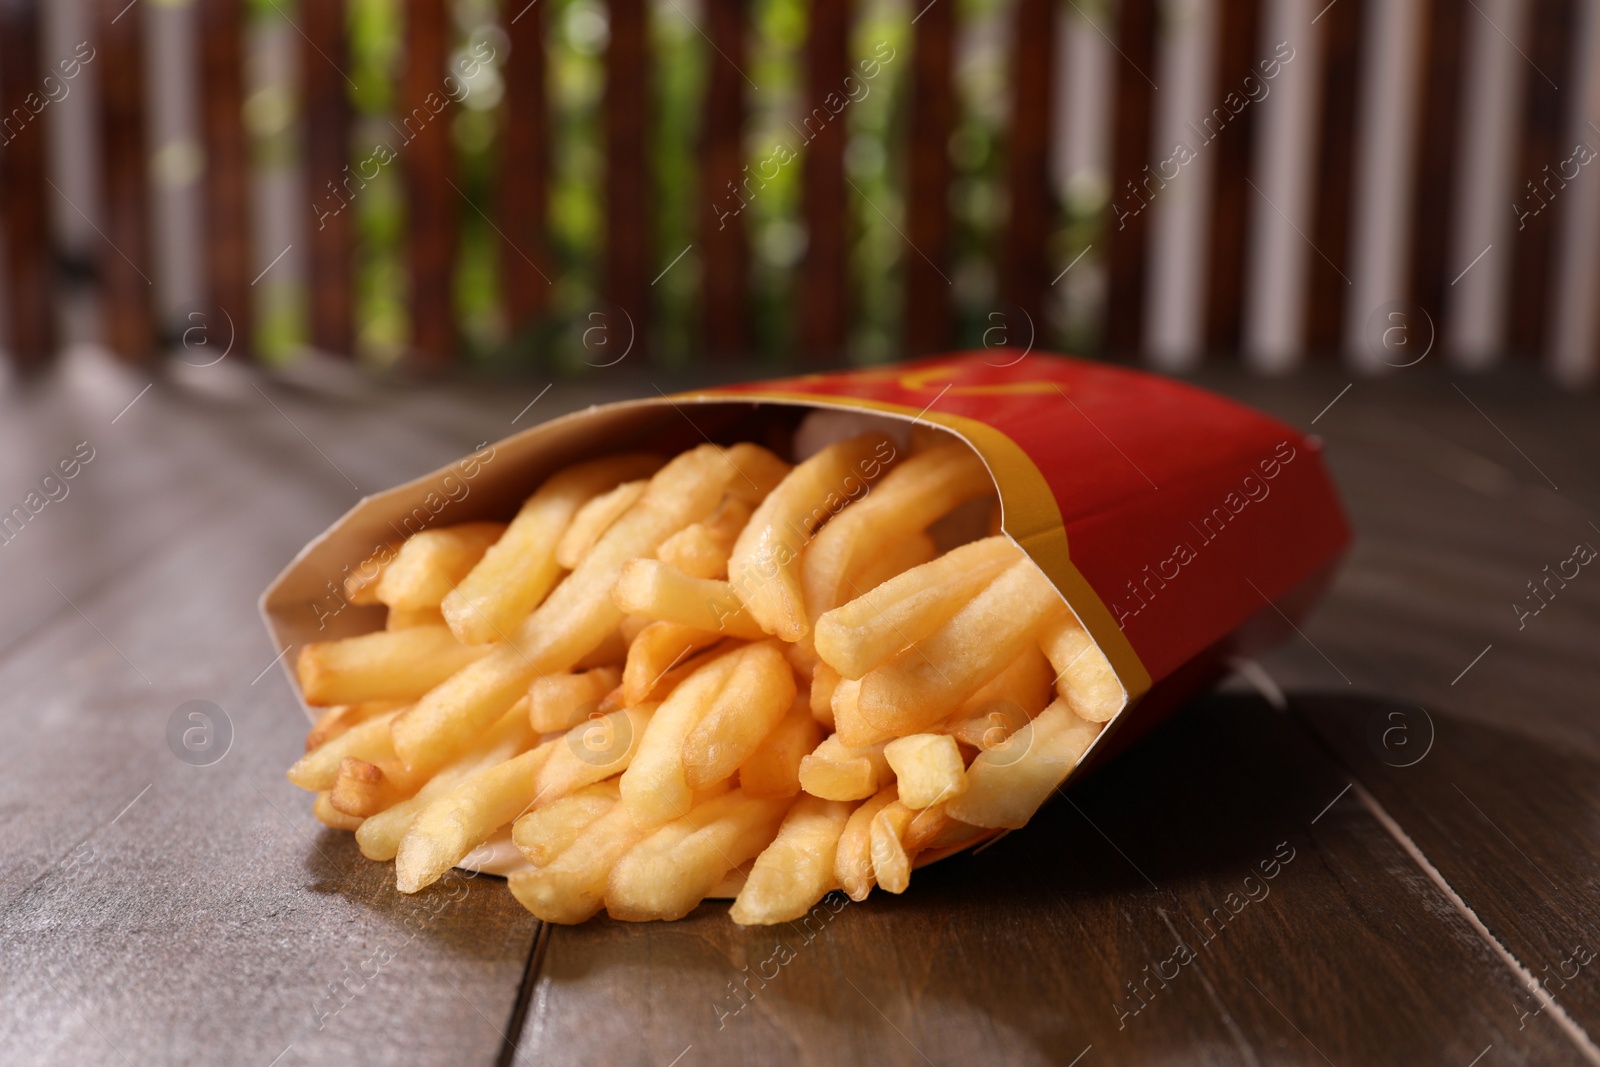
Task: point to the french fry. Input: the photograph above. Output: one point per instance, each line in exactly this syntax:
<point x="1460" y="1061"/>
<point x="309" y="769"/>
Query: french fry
<point x="753" y="472"/>
<point x="654" y="787"/>
<point x="796" y="870"/>
<point x="570" y="888"/>
<point x="1007" y="783"/>
<point x="659" y="648"/>
<point x="773" y="769"/>
<point x="927" y="769"/>
<point x="933" y="828"/>
<point x="859" y="635"/>
<point x="379" y="837"/>
<point x="520" y="569"/>
<point x="339" y="718"/>
<point x="760" y="689"/>
<point x="1084" y="677"/>
<point x="920" y="490"/>
<point x="824" y="680"/>
<point x="361" y="585"/>
<point x="836" y="771"/>
<point x="894" y="560"/>
<point x="701" y="549"/>
<point x="561" y="701"/>
<point x="576" y="617"/>
<point x="668" y="873"/>
<point x="318" y="769"/>
<point x="651" y="588"/>
<point x="926" y="682"/>
<point x="891" y="863"/>
<point x="591" y="752"/>
<point x="544" y="833"/>
<point x="331" y="816"/>
<point x="400" y="665"/>
<point x="410" y="618"/>
<point x="431" y="563"/>
<point x="1005" y="703"/>
<point x="612" y="650"/>
<point x="764" y="567"/>
<point x="852" y="862"/>
<point x="466" y="817"/>
<point x="595" y="518"/>
<point x="363" y="788"/>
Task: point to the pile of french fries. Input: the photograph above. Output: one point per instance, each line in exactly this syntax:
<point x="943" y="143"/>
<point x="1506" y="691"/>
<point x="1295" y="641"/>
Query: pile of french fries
<point x="711" y="675"/>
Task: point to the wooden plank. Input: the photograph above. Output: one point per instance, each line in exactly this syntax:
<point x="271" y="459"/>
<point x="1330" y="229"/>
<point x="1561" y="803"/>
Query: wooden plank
<point x="325" y="92"/>
<point x="629" y="182"/>
<point x="927" y="311"/>
<point x="1127" y="221"/>
<point x="124" y="262"/>
<point x="822" y="315"/>
<point x="524" y="172"/>
<point x="227" y="176"/>
<point x="1025" y="262"/>
<point x="1433" y="191"/>
<point x="1539" y="204"/>
<point x="1232" y="199"/>
<point x="432" y="205"/>
<point x="1327" y="283"/>
<point x="24" y="196"/>
<point x="722" y="180"/>
<point x="1046" y="944"/>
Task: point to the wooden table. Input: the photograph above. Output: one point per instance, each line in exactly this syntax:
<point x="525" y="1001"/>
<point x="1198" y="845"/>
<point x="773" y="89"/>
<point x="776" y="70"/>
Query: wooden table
<point x="1426" y="799"/>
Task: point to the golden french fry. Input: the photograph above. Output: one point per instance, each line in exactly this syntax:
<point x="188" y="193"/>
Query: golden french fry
<point x="753" y="472"/>
<point x="1005" y="703"/>
<point x="927" y="768"/>
<point x="570" y="888"/>
<point x="432" y="562"/>
<point x="859" y="635"/>
<point x="824" y="680"/>
<point x="329" y="815"/>
<point x="380" y="836"/>
<point x="318" y="770"/>
<point x="773" y="769"/>
<point x="466" y="817"/>
<point x="926" y="682"/>
<point x="515" y="574"/>
<point x="701" y="550"/>
<point x="594" y="519"/>
<point x="764" y="567"/>
<point x="651" y="588"/>
<point x="561" y="701"/>
<point x="796" y="870"/>
<point x="760" y="689"/>
<point x="410" y="618"/>
<point x="612" y="650"/>
<point x="668" y="873"/>
<point x="916" y="493"/>
<point x="891" y="863"/>
<point x="836" y="771"/>
<point x="852" y="863"/>
<point x="363" y="789"/>
<point x="544" y="833"/>
<point x="892" y="561"/>
<point x="591" y="752"/>
<point x="1083" y="677"/>
<point x="1007" y="783"/>
<point x="339" y="718"/>
<point x="400" y="665"/>
<point x="659" y="648"/>
<point x="361" y="585"/>
<point x="654" y="787"/>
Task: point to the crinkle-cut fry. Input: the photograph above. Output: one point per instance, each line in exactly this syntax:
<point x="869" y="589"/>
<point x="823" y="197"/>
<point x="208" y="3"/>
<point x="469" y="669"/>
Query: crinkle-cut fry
<point x="755" y="472"/>
<point x="894" y="560"/>
<point x="363" y="788"/>
<point x="927" y="767"/>
<point x="651" y="588"/>
<point x="836" y="771"/>
<point x="466" y="817"/>
<point x="764" y="567"/>
<point x="758" y="693"/>
<point x="433" y="562"/>
<point x="591" y="752"/>
<point x="594" y="518"/>
<point x="796" y="870"/>
<point x="659" y="648"/>
<point x="329" y="815"/>
<point x="341" y="717"/>
<point x="856" y="637"/>
<point x="891" y="862"/>
<point x="575" y="618"/>
<point x="1007" y="783"/>
<point x="570" y="888"/>
<point x="824" y="680"/>
<point x="773" y="769"/>
<point x="561" y="701"/>
<point x="318" y="769"/>
<point x="925" y="683"/>
<point x="654" y="787"/>
<point x="361" y="584"/>
<point x="386" y="665"/>
<point x="701" y="549"/>
<point x="517" y="573"/>
<point x="544" y="833"/>
<point x="1084" y="678"/>
<point x="379" y="837"/>
<point x="667" y="874"/>
<point x="916" y="493"/>
<point x="852" y="863"/>
<point x="410" y="618"/>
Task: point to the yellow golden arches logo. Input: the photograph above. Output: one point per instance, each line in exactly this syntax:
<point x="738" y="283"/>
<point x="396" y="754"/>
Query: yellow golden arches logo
<point x="937" y="379"/>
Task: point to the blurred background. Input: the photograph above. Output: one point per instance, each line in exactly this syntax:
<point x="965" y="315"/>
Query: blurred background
<point x="554" y="186"/>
